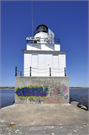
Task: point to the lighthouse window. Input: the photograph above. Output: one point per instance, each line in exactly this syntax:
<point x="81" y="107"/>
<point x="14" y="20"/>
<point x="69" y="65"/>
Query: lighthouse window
<point x="35" y="41"/>
<point x="42" y="29"/>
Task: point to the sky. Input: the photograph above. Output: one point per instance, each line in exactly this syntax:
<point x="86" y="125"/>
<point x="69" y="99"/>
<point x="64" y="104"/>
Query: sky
<point x="67" y="19"/>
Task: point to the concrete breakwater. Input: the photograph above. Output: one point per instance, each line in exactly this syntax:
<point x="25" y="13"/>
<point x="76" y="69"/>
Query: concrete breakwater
<point x="44" y="90"/>
<point x="68" y="118"/>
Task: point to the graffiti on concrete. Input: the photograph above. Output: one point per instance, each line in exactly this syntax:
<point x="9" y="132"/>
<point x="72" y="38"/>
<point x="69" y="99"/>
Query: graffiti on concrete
<point x="34" y="100"/>
<point x="55" y="92"/>
<point x="57" y="95"/>
<point x="65" y="89"/>
<point x="35" y="91"/>
<point x="65" y="93"/>
<point x="43" y="94"/>
<point x="31" y="100"/>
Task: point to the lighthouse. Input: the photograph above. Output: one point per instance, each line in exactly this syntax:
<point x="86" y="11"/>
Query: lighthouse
<point x="44" y="80"/>
<point x="43" y="56"/>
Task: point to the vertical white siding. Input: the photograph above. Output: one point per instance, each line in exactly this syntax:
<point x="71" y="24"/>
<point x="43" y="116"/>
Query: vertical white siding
<point x="27" y="64"/>
<point x="62" y="64"/>
<point x="48" y="63"/>
<point x="34" y="65"/>
<point x="41" y="64"/>
<point x="55" y="71"/>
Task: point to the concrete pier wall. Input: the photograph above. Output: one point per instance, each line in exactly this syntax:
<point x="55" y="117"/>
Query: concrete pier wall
<point x="41" y="90"/>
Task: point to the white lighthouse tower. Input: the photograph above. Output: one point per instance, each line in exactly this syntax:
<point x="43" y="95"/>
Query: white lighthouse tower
<point x="42" y="56"/>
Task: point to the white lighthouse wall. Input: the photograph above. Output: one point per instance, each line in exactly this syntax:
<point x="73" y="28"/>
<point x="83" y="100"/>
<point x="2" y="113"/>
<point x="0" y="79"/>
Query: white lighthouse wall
<point x="27" y="64"/>
<point x="55" y="65"/>
<point x="47" y="47"/>
<point x="57" y="47"/>
<point x="48" y="63"/>
<point x="40" y="64"/>
<point x="34" y="46"/>
<point x="34" y="63"/>
<point x="62" y="64"/>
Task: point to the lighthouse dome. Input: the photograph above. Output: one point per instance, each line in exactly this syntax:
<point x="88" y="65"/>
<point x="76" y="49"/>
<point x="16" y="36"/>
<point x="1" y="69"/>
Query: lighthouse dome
<point x="42" y="28"/>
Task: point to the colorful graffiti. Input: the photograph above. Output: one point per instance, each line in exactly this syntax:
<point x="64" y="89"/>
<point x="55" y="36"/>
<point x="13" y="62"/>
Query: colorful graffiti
<point x="36" y="100"/>
<point x="65" y="93"/>
<point x="35" y="91"/>
<point x="56" y="92"/>
<point x="57" y="95"/>
<point x="43" y="94"/>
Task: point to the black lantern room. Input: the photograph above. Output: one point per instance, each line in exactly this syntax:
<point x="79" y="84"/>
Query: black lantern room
<point x="41" y="28"/>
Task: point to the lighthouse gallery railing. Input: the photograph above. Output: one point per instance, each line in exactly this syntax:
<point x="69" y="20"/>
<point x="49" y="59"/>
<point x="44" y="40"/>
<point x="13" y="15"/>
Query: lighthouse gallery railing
<point x="49" y="40"/>
<point x="28" y="71"/>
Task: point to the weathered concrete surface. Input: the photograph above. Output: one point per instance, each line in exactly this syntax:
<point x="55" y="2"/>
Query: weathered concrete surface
<point x="47" y="119"/>
<point x="46" y="114"/>
<point x="53" y="81"/>
<point x="46" y="130"/>
<point x="58" y="89"/>
<point x="75" y="103"/>
<point x="44" y="119"/>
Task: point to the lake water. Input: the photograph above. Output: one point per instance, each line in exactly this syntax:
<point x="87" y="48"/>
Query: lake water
<point x="7" y="96"/>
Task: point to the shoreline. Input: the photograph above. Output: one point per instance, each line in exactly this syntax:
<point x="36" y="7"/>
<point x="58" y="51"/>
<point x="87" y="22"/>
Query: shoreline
<point x="13" y="88"/>
<point x="7" y="88"/>
<point x="78" y="87"/>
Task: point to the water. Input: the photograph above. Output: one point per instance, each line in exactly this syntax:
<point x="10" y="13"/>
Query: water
<point x="80" y="95"/>
<point x="7" y="96"/>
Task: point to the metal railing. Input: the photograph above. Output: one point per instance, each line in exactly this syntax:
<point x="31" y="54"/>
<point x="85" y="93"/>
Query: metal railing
<point x="30" y="70"/>
<point x="49" y="40"/>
